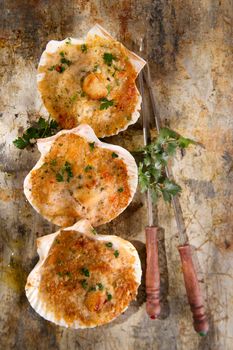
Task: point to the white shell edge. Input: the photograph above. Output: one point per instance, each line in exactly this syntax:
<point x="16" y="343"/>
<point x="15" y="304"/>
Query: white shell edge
<point x="43" y="246"/>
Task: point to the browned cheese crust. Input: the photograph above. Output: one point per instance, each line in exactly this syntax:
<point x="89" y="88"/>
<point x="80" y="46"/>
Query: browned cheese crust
<point x="80" y="180"/>
<point x="86" y="279"/>
<point x="92" y="83"/>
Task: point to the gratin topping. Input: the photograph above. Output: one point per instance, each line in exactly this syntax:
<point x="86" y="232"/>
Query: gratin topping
<point x="92" y="84"/>
<point x="78" y="180"/>
<point x="84" y="279"/>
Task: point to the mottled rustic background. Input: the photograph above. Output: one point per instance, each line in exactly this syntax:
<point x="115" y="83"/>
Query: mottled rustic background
<point x="189" y="47"/>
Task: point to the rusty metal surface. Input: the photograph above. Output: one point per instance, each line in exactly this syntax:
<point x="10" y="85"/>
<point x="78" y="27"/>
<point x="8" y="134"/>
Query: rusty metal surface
<point x="190" y="51"/>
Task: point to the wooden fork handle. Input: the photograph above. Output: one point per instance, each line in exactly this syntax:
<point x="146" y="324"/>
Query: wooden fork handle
<point x="193" y="290"/>
<point x="152" y="273"/>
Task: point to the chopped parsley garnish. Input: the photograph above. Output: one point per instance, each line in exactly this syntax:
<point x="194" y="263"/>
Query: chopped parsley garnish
<point x="66" y="169"/>
<point x="53" y="162"/>
<point x="96" y="66"/>
<point x="94" y="231"/>
<point x="60" y="262"/>
<point x="42" y="128"/>
<point x="114" y="155"/>
<point x="92" y="145"/>
<point x="84" y="284"/>
<point x="84" y="48"/>
<point x="74" y="97"/>
<point x="108" y="58"/>
<point x="60" y="274"/>
<point x="62" y="54"/>
<point x="57" y="241"/>
<point x="68" y="274"/>
<point x="85" y="272"/>
<point x="120" y="189"/>
<point x="65" y="61"/>
<point x="83" y="94"/>
<point x="59" y="177"/>
<point x="109" y="296"/>
<point x="100" y="286"/>
<point x="92" y="289"/>
<point x="105" y="103"/>
<point x="88" y="168"/>
<point x="51" y="68"/>
<point x="109" y="244"/>
<point x="116" y="253"/>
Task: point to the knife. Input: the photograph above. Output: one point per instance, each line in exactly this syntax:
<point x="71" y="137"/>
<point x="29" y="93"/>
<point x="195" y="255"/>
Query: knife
<point x="193" y="290"/>
<point x="151" y="231"/>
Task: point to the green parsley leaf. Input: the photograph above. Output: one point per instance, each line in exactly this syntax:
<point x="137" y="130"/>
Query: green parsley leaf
<point x="92" y="146"/>
<point x="67" y="168"/>
<point x="74" y="97"/>
<point x="151" y="170"/>
<point x="42" y="128"/>
<point x="100" y="286"/>
<point x="84" y="284"/>
<point x="59" y="177"/>
<point x="116" y="253"/>
<point x="84" y="48"/>
<point x="120" y="189"/>
<point x="53" y="162"/>
<point x="184" y="142"/>
<point x="51" y="68"/>
<point x="68" y="274"/>
<point x="108" y="58"/>
<point x="169" y="189"/>
<point x="92" y="289"/>
<point x="66" y="61"/>
<point x="88" y="168"/>
<point x="105" y="103"/>
<point x="109" y="296"/>
<point x="62" y="54"/>
<point x="94" y="231"/>
<point x="114" y="155"/>
<point x="96" y="66"/>
<point x="20" y="143"/>
<point x="85" y="272"/>
<point x="109" y="244"/>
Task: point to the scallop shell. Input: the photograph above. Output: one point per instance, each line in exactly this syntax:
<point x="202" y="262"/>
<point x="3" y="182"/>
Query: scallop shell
<point x="52" y="49"/>
<point x="44" y="244"/>
<point x="85" y="131"/>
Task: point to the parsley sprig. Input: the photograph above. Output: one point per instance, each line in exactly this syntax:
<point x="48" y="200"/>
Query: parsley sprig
<point x="42" y="128"/>
<point x="156" y="155"/>
<point x="105" y="103"/>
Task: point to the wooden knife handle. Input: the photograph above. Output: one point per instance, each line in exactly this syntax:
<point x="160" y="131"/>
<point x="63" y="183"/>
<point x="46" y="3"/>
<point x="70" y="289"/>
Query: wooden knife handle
<point x="152" y="273"/>
<point x="193" y="291"/>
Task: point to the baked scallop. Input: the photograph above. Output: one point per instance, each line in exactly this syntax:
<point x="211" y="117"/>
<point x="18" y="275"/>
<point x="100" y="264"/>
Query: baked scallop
<point x="90" y="81"/>
<point x="78" y="176"/>
<point x="83" y="279"/>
